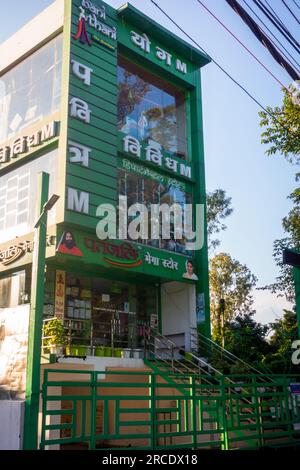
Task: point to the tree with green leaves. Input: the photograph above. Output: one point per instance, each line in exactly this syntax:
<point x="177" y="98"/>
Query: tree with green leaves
<point x="246" y="339"/>
<point x="284" y="332"/>
<point x="231" y="285"/>
<point x="282" y="134"/>
<point x="282" y="128"/>
<point x="218" y="208"/>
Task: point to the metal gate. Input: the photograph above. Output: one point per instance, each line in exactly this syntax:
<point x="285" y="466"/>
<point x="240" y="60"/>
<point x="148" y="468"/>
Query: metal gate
<point x="147" y="410"/>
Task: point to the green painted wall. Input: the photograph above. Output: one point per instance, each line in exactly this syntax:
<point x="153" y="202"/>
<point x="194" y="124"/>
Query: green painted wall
<point x="100" y="178"/>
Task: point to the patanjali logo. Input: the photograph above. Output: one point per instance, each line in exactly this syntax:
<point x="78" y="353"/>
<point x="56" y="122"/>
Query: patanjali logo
<point x="82" y="34"/>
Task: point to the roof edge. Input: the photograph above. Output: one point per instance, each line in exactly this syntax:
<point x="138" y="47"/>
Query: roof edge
<point x="149" y="26"/>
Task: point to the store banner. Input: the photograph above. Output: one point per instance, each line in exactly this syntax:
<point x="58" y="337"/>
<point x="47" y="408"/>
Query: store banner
<point x="60" y="289"/>
<point x="126" y="255"/>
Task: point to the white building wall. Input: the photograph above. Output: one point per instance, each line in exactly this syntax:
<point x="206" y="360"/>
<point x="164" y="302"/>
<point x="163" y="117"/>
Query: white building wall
<point x="12" y="421"/>
<point x="33" y="33"/>
<point x="178" y="304"/>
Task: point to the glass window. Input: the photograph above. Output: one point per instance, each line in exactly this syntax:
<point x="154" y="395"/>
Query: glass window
<point x="18" y="196"/>
<point x="147" y="192"/>
<point x="151" y="109"/>
<point x="12" y="290"/>
<point x="31" y="90"/>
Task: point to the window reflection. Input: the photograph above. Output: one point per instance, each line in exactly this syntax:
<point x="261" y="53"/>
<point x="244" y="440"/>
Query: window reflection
<point x="12" y="290"/>
<point x="147" y="192"/>
<point x="149" y="108"/>
<point x="18" y="196"/>
<point x="31" y="90"/>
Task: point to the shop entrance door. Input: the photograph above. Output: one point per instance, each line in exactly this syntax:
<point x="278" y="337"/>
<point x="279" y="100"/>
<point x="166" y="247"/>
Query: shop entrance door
<point x="111" y="327"/>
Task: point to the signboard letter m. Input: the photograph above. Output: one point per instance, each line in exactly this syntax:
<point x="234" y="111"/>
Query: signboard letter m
<point x="78" y="201"/>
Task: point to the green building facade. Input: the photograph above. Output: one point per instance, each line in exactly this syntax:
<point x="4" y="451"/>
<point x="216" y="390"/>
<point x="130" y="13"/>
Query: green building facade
<point x="108" y="105"/>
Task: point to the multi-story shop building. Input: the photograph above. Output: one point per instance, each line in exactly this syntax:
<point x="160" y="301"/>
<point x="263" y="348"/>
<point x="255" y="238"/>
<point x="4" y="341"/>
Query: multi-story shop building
<point x="102" y="108"/>
<point x="108" y="103"/>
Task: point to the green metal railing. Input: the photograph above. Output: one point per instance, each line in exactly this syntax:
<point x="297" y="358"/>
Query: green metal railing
<point x="149" y="410"/>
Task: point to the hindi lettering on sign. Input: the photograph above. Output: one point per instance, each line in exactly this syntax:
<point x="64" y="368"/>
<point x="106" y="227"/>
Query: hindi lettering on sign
<point x="164" y="56"/>
<point x="141" y="41"/>
<point x="25" y="143"/>
<point x="80" y="110"/>
<point x="123" y="250"/>
<point x="33" y="140"/>
<point x="153" y="154"/>
<point x="80" y="153"/>
<point x="12" y="253"/>
<point x="171" y="164"/>
<point x="170" y="264"/>
<point x="132" y="145"/>
<point x="4" y="154"/>
<point x="18" y="146"/>
<point x="152" y="259"/>
<point x="83" y="72"/>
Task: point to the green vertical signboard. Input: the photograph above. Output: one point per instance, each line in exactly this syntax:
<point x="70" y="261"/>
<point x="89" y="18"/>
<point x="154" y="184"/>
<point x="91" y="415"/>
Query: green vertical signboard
<point x="91" y="146"/>
<point x="91" y="171"/>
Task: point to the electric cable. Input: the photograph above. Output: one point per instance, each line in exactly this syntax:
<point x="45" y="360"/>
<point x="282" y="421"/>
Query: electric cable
<point x="272" y="115"/>
<point x="234" y="4"/>
<point x="273" y="20"/>
<point x="291" y="12"/>
<point x="296" y="4"/>
<point x="242" y="44"/>
<point x="276" y="39"/>
<point x="275" y="15"/>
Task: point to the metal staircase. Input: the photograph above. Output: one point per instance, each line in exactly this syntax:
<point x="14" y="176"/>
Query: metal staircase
<point x="204" y="346"/>
<point x="241" y="414"/>
<point x="179" y="400"/>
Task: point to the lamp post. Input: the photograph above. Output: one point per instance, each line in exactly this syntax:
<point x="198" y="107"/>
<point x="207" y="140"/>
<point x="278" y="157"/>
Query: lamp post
<point x="36" y="315"/>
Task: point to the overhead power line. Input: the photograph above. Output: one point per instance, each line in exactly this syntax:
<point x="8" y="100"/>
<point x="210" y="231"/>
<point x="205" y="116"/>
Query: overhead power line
<point x="288" y="55"/>
<point x="275" y="14"/>
<point x="241" y="43"/>
<point x="296" y="4"/>
<point x="282" y="29"/>
<point x="272" y="115"/>
<point x="234" y="4"/>
<point x="291" y="12"/>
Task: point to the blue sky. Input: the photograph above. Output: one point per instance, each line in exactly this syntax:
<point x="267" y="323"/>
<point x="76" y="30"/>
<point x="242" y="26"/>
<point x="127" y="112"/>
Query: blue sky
<point x="235" y="159"/>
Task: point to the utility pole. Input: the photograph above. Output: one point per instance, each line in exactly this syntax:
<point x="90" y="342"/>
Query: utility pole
<point x="33" y="369"/>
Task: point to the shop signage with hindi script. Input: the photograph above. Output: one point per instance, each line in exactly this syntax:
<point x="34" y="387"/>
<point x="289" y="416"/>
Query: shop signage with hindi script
<point x="27" y="143"/>
<point x="20" y="252"/>
<point x="60" y="288"/>
<point x="126" y="255"/>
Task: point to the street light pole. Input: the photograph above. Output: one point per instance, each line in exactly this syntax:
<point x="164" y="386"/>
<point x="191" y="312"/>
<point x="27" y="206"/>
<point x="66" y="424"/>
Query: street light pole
<point x="33" y="369"/>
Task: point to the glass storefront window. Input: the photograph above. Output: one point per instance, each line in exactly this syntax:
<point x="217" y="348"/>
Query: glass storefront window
<point x="104" y="313"/>
<point x="151" y="109"/>
<point x="12" y="290"/>
<point x="18" y="196"/>
<point x="147" y="192"/>
<point x="31" y="90"/>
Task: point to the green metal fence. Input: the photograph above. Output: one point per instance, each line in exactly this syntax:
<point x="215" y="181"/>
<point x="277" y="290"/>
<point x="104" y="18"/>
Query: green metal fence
<point x="144" y="410"/>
